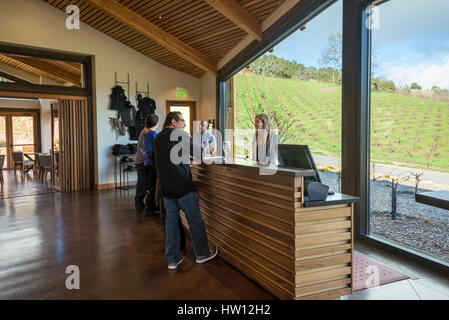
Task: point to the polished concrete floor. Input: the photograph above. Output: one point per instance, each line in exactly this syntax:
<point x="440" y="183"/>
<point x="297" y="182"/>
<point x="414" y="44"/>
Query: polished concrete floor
<point x="18" y="186"/>
<point x="120" y="255"/>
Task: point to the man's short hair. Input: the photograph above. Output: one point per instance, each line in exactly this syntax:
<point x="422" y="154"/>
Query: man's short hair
<point x="151" y="120"/>
<point x="174" y="115"/>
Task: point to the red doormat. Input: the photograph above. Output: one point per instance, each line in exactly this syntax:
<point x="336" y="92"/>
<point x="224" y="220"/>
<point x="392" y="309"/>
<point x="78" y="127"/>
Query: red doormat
<point x="368" y="274"/>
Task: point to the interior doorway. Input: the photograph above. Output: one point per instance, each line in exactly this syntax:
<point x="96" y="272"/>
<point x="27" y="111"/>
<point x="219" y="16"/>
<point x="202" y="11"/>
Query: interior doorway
<point x="44" y="145"/>
<point x="188" y="110"/>
<point x="63" y="135"/>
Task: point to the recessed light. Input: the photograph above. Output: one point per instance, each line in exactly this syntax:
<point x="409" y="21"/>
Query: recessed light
<point x="160" y="17"/>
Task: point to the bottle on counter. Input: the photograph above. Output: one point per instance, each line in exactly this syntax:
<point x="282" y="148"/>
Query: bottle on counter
<point x="245" y="149"/>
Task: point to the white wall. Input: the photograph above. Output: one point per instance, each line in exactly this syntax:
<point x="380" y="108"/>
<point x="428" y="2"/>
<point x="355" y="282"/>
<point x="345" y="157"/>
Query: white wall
<point x="35" y="23"/>
<point x="45" y="105"/>
<point x="208" y="100"/>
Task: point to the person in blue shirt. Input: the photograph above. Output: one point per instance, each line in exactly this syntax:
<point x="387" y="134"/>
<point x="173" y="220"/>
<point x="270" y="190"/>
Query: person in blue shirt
<point x="150" y="205"/>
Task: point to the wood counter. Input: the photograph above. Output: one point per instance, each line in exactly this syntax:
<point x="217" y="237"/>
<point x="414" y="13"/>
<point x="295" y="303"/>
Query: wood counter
<point x="261" y="226"/>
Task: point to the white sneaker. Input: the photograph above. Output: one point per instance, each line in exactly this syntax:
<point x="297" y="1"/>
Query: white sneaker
<point x="213" y="254"/>
<point x="174" y="266"/>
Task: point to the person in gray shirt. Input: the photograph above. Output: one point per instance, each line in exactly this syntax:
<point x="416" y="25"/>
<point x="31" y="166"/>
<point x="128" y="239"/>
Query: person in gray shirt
<point x="208" y="142"/>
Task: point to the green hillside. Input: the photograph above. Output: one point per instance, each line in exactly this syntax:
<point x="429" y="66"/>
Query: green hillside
<point x="405" y="129"/>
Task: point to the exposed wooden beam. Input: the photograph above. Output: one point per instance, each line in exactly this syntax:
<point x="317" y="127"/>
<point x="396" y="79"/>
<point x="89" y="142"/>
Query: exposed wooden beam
<point x="13" y="78"/>
<point x="48" y="68"/>
<point x="146" y="28"/>
<point x="231" y="10"/>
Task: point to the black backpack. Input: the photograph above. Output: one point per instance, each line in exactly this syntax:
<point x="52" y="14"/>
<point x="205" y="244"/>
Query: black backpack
<point x="118" y="99"/>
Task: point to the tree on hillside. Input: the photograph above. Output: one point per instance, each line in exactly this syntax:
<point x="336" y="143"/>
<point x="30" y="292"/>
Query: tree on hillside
<point x="436" y="89"/>
<point x="415" y="86"/>
<point x="272" y="65"/>
<point x="382" y="85"/>
<point x="332" y="56"/>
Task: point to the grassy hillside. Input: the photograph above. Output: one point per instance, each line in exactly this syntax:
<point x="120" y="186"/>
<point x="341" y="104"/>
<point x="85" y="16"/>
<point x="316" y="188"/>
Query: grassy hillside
<point x="404" y="129"/>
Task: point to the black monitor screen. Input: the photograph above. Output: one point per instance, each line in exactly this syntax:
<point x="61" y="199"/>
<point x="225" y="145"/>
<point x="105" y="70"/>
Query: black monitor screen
<point x="298" y="156"/>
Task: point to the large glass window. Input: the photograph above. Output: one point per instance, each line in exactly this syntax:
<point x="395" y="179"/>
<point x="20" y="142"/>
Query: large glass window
<point x="409" y="138"/>
<point x="297" y="84"/>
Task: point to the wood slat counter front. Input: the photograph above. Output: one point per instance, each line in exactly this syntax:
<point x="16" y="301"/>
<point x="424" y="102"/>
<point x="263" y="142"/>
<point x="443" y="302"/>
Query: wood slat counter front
<point x="261" y="226"/>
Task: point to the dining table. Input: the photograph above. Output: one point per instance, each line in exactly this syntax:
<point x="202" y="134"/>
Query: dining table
<point x="33" y="156"/>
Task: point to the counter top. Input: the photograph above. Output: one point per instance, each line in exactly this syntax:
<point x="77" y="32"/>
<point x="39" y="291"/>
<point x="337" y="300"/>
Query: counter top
<point x="252" y="165"/>
<point x="337" y="198"/>
<point x="439" y="199"/>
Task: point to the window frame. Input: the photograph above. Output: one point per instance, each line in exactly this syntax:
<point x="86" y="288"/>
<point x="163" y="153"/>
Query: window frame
<point x="356" y="99"/>
<point x="364" y="235"/>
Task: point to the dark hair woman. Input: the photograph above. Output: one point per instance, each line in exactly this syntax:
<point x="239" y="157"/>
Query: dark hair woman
<point x="265" y="141"/>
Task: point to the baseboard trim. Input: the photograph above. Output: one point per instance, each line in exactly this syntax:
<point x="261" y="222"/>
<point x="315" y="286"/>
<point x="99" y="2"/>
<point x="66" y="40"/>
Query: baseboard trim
<point x="107" y="186"/>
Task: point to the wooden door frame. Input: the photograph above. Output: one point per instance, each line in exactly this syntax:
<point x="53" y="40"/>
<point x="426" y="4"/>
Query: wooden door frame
<point x="52" y="153"/>
<point x="187" y="103"/>
<point x="19" y="112"/>
<point x="20" y="90"/>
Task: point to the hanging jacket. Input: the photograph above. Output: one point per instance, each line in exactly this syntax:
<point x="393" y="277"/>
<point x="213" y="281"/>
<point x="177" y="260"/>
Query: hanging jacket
<point x="147" y="105"/>
<point x="128" y="115"/>
<point x="118" y="98"/>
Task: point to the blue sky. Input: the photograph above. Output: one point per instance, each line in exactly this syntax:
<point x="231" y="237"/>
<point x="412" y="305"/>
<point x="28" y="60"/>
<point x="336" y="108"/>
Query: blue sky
<point x="412" y="42"/>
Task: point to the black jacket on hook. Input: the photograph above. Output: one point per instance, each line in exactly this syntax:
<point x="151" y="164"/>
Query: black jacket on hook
<point x="145" y="107"/>
<point x="118" y="98"/>
<point x="128" y="115"/>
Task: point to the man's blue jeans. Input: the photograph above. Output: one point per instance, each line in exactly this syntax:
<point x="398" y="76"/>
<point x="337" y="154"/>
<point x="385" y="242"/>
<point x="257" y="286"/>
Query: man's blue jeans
<point x="189" y="204"/>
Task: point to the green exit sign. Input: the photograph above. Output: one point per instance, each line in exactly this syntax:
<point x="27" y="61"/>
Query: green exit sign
<point x="181" y="92"/>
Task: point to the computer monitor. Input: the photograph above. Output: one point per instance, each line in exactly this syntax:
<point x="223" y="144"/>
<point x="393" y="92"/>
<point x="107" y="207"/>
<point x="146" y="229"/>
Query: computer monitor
<point x="298" y="156"/>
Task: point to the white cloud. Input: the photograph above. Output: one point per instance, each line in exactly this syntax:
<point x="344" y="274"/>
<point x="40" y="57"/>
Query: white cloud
<point x="426" y="74"/>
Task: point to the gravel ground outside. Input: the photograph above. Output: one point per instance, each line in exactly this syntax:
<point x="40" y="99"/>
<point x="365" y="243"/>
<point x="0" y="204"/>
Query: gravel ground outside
<point x="419" y="226"/>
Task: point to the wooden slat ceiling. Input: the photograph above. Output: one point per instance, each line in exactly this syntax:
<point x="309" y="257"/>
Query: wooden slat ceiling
<point x="194" y="22"/>
<point x="62" y="72"/>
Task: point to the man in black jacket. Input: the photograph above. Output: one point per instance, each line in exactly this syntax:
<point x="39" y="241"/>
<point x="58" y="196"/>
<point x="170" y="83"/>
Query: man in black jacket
<point x="171" y="153"/>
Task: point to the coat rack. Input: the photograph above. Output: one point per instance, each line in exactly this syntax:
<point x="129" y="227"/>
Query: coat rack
<point x="147" y="93"/>
<point x="120" y="82"/>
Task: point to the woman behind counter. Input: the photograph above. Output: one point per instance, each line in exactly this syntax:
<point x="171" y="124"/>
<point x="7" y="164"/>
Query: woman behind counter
<point x="265" y="141"/>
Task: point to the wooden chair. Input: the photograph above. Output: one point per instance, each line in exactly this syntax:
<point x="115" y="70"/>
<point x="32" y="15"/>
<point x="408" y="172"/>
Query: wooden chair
<point x="44" y="165"/>
<point x="2" y="162"/>
<point x="19" y="162"/>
